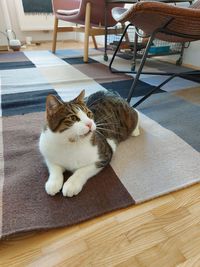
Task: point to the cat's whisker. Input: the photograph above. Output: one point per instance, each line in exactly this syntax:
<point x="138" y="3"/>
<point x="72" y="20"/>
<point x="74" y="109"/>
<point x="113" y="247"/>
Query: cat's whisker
<point x="108" y="123"/>
<point x="103" y="118"/>
<point x="100" y="133"/>
<point x="116" y="125"/>
<point x="109" y="130"/>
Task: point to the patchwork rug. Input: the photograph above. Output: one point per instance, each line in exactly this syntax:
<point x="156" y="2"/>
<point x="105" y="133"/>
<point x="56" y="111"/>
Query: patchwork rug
<point x="164" y="158"/>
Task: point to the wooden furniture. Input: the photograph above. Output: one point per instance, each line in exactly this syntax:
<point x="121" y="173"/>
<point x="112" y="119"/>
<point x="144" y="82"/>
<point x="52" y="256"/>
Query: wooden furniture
<point x="89" y="15"/>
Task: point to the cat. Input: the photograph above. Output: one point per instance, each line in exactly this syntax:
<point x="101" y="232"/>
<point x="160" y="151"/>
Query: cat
<point x="81" y="136"/>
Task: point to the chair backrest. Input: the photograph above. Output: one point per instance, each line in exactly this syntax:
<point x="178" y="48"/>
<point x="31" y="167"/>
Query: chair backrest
<point x="148" y="16"/>
<point x="97" y="11"/>
<point x="65" y="4"/>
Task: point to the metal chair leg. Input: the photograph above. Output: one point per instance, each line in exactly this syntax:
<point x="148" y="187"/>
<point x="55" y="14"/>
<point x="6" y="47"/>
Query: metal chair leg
<point x="118" y="46"/>
<point x="144" y="57"/>
<point x="180" y="74"/>
<point x="106" y="32"/>
<point x="154" y="90"/>
<point x="180" y="59"/>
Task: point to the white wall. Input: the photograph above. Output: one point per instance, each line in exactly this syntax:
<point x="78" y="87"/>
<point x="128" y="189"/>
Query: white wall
<point x="3" y="40"/>
<point x="36" y="35"/>
<point x="192" y="54"/>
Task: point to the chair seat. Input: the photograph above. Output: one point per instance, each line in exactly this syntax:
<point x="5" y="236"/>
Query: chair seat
<point x="149" y="16"/>
<point x="67" y="12"/>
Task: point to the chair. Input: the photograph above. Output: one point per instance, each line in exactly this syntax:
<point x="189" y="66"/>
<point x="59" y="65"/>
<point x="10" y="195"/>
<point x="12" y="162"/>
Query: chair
<point x="162" y="21"/>
<point x="90" y="13"/>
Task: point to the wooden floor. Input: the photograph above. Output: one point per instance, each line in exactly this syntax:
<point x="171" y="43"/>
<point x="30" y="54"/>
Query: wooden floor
<point x="163" y="232"/>
<point x="60" y="45"/>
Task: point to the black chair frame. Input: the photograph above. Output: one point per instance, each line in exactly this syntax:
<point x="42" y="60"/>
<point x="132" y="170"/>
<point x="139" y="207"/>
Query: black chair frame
<point x="144" y="57"/>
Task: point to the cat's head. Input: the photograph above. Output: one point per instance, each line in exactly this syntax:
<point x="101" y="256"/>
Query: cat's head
<point x="72" y="118"/>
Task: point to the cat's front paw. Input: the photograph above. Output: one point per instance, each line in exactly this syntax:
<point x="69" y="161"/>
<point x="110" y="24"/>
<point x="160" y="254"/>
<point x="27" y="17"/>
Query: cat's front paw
<point x="71" y="188"/>
<point x="53" y="187"/>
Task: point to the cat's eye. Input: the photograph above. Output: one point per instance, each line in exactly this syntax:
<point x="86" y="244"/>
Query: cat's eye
<point x="75" y="118"/>
<point x="90" y="114"/>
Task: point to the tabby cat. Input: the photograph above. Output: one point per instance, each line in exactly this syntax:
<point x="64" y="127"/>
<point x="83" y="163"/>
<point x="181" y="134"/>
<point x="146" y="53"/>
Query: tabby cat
<point x="81" y="136"/>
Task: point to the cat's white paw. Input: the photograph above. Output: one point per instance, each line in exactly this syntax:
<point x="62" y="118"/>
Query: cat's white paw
<point x="71" y="188"/>
<point x="53" y="187"/>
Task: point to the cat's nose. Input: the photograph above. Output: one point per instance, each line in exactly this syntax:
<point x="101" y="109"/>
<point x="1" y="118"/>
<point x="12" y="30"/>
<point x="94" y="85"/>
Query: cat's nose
<point x="89" y="124"/>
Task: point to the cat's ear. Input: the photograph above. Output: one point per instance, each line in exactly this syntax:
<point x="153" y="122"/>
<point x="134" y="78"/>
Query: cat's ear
<point x="80" y="97"/>
<point x="52" y="104"/>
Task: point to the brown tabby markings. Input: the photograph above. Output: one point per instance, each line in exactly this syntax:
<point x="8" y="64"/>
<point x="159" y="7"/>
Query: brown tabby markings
<point x="104" y="149"/>
<point x="116" y="120"/>
<point x="61" y="115"/>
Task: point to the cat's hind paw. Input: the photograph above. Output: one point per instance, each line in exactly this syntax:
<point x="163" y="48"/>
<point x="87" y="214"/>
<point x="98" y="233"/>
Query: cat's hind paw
<point x="53" y="187"/>
<point x="71" y="188"/>
<point x="136" y="132"/>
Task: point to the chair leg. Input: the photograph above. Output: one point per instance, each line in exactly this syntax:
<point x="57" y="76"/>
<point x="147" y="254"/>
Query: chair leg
<point x="144" y="57"/>
<point x="94" y="42"/>
<point x="154" y="90"/>
<point x="118" y="46"/>
<point x="180" y="60"/>
<point x="87" y="31"/>
<point x="55" y="35"/>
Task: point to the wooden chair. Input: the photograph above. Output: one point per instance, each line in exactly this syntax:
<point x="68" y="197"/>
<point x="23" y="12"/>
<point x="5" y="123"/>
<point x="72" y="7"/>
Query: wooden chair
<point x="161" y="21"/>
<point x="90" y="14"/>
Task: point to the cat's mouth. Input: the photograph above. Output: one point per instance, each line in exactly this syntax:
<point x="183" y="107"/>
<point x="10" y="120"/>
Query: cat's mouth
<point x="86" y="134"/>
<point x="90" y="131"/>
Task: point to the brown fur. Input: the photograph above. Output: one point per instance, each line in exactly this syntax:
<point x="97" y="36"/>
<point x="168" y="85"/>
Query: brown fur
<point x="117" y="118"/>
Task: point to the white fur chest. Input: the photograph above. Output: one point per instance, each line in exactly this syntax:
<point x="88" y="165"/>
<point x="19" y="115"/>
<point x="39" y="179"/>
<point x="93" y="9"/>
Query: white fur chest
<point x="70" y="155"/>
